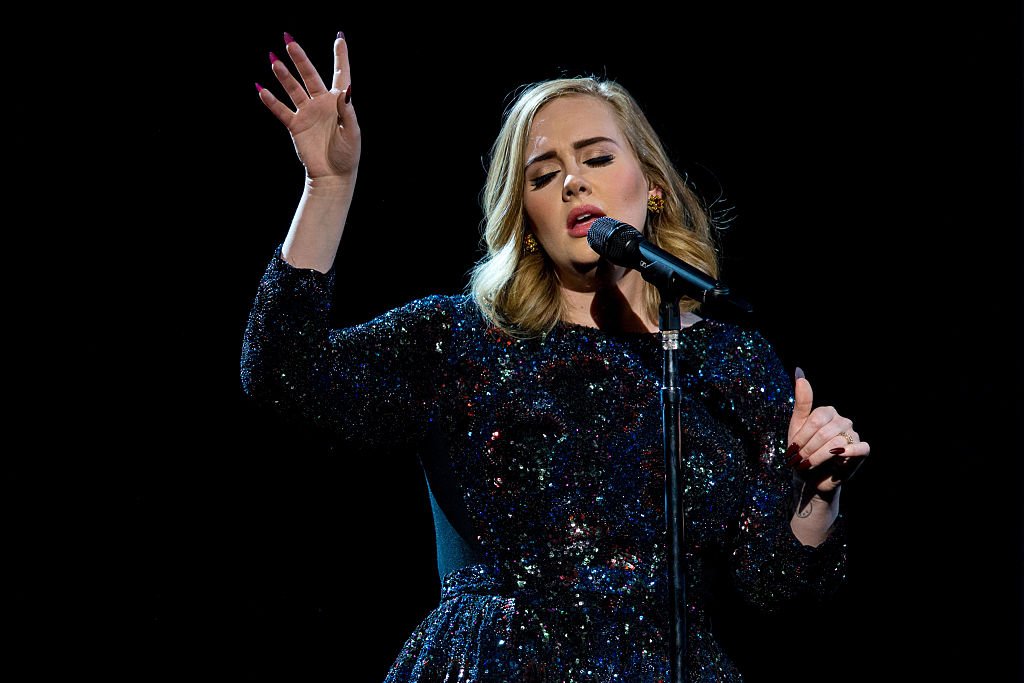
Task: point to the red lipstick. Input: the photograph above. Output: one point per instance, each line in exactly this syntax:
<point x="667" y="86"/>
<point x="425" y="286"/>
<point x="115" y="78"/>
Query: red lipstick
<point x="580" y="219"/>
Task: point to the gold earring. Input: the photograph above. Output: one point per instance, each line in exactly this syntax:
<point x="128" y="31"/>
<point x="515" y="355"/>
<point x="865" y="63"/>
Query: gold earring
<point x="530" y="244"/>
<point x="655" y="203"/>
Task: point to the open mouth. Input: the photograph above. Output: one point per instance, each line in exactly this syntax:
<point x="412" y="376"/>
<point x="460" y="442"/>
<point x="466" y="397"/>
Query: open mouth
<point x="581" y="218"/>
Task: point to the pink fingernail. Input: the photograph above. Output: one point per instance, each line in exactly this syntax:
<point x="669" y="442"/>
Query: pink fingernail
<point x="288" y="38"/>
<point x="259" y="88"/>
<point x="273" y="58"/>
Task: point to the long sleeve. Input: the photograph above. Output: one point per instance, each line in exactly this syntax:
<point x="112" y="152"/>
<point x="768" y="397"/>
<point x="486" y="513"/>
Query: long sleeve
<point x="770" y="566"/>
<point x="375" y="383"/>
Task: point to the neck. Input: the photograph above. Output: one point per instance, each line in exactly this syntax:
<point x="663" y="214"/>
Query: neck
<point x="613" y="300"/>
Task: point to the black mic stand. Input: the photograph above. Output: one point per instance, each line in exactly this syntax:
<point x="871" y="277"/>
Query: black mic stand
<point x="671" y="399"/>
<point x="624" y="245"/>
<point x="671" y="288"/>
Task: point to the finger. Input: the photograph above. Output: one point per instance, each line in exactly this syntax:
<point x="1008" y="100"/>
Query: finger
<point x="314" y="85"/>
<point x="829" y="452"/>
<point x="342" y="71"/>
<point x="861" y="449"/>
<point x="803" y="401"/>
<point x="295" y="91"/>
<point x="835" y="469"/>
<point x="822" y="432"/>
<point x="276" y="107"/>
<point x="342" y="79"/>
<point x="845" y="467"/>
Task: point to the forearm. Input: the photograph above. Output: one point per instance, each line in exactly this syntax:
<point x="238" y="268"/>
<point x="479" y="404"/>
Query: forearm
<point x="814" y="518"/>
<point x="315" y="233"/>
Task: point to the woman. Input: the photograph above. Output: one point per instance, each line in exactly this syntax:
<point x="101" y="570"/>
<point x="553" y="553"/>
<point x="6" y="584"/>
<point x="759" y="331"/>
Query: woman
<point x="535" y="400"/>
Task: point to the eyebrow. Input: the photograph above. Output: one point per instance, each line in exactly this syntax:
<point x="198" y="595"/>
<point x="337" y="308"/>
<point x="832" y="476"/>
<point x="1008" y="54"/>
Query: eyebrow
<point x="579" y="144"/>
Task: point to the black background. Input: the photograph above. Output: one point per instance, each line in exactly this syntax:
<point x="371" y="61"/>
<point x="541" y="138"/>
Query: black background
<point x="872" y="160"/>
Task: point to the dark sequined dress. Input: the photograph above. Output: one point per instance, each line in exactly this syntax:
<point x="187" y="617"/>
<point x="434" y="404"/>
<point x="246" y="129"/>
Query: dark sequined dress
<point x="545" y="469"/>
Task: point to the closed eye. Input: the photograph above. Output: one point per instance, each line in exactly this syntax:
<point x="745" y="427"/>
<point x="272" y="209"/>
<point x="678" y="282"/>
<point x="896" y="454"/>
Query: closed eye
<point x="541" y="181"/>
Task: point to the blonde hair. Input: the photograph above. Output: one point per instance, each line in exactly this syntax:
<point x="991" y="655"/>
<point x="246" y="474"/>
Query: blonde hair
<point x="519" y="291"/>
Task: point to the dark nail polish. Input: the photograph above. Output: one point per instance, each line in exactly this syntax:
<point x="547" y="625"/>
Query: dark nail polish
<point x="341" y="34"/>
<point x="259" y="87"/>
<point x="793" y="459"/>
<point x="837" y="451"/>
<point x="805" y="464"/>
<point x="348" y="94"/>
<point x="793" y="448"/>
<point x="799" y="373"/>
<point x="288" y="38"/>
<point x="273" y="58"/>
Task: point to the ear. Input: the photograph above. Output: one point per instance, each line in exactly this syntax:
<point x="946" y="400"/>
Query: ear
<point x="655" y="191"/>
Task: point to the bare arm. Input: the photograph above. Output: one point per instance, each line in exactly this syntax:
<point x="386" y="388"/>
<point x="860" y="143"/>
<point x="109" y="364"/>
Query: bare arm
<point x="327" y="140"/>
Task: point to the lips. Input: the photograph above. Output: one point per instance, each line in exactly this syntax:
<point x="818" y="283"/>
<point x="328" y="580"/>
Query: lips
<point x="581" y="218"/>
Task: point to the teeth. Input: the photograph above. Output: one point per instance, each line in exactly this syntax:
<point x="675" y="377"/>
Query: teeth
<point x="583" y="218"/>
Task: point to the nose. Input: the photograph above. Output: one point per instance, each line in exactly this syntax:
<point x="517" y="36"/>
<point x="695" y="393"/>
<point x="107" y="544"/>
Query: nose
<point x="574" y="186"/>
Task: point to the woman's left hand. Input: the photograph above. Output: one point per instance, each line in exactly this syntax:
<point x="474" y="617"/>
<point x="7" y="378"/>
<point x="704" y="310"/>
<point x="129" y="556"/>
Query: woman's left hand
<point x="824" y="448"/>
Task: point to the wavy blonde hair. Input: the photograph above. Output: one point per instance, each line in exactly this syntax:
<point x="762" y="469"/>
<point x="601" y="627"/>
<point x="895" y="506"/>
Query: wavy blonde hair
<point x="519" y="292"/>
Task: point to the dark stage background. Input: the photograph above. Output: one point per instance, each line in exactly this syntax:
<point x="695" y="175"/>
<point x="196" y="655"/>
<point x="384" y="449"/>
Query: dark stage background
<point x="872" y="161"/>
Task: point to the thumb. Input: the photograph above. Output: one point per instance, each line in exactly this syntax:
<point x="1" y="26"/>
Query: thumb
<point x="803" y="402"/>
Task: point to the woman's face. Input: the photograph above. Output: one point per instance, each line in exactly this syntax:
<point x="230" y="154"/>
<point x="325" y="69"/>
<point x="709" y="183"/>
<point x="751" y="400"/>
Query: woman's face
<point x="579" y="167"/>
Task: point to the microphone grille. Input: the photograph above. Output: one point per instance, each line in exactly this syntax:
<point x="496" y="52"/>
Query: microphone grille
<point x="609" y="238"/>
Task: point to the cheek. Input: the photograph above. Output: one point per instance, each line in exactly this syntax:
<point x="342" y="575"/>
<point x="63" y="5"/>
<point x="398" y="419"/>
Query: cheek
<point x="528" y="213"/>
<point x="639" y="184"/>
<point x="632" y="190"/>
<point x="534" y="213"/>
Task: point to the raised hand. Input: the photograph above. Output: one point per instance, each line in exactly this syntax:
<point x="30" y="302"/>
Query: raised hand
<point x="323" y="124"/>
<point x="824" y="448"/>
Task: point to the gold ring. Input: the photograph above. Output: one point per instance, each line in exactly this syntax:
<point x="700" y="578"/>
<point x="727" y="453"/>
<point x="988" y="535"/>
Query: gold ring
<point x="849" y="439"/>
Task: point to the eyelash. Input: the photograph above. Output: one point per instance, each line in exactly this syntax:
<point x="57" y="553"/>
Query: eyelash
<point x="543" y="180"/>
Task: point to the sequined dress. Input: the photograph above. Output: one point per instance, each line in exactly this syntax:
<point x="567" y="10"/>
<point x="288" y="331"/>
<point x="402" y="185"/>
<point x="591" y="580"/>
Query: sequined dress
<point x="545" y="467"/>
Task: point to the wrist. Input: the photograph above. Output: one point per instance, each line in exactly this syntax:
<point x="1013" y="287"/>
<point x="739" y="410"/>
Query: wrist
<point x="330" y="184"/>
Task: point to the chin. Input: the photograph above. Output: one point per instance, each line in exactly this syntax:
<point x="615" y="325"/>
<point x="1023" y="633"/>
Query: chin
<point x="586" y="261"/>
<point x="597" y="268"/>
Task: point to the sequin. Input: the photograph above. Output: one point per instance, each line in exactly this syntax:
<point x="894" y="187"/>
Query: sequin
<point x="552" y="447"/>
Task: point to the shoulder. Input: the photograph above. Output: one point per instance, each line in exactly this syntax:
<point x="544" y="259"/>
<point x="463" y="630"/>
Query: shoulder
<point x="444" y="309"/>
<point x="742" y="363"/>
<point x="737" y="348"/>
<point x="722" y="333"/>
<point x="460" y="307"/>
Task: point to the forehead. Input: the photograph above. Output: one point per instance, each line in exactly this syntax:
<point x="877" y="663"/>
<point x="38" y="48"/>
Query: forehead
<point x="573" y="117"/>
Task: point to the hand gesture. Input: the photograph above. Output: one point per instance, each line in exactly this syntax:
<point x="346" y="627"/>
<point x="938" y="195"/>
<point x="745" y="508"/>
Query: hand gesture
<point x="824" y="448"/>
<point x="323" y="125"/>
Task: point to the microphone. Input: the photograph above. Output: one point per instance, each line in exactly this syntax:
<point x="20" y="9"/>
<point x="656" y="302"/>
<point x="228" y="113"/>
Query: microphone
<point x="623" y="245"/>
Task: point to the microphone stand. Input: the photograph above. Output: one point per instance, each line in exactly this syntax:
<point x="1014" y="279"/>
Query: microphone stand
<point x="625" y="246"/>
<point x="671" y="288"/>
<point x="671" y="400"/>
